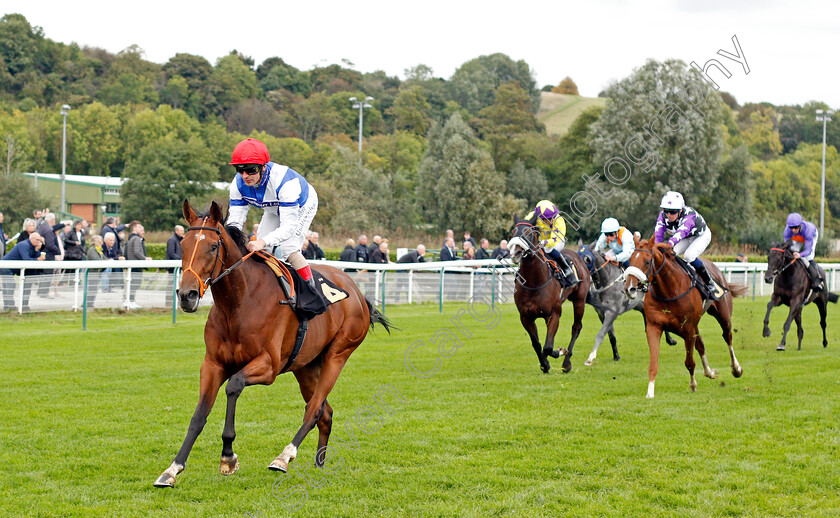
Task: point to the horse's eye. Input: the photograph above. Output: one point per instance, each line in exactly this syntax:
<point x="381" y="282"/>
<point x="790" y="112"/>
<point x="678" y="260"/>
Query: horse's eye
<point x="213" y="247"/>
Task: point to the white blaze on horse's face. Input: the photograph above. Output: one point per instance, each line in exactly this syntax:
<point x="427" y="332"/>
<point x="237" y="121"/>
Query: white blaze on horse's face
<point x="633" y="273"/>
<point x="517" y="247"/>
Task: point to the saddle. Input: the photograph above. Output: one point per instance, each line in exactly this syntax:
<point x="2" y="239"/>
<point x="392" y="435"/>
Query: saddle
<point x="720" y="291"/>
<point x="565" y="281"/>
<point x="306" y="303"/>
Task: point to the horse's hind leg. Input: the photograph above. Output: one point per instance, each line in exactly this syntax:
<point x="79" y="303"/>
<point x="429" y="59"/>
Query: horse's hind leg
<point x="799" y="331"/>
<point x="723" y="314"/>
<point x="551" y="324"/>
<point x="794" y="305"/>
<point x="316" y="406"/>
<point x="307" y="378"/>
<point x="691" y="342"/>
<point x="212" y="377"/>
<point x="259" y="371"/>
<point x="822" y="305"/>
<point x="598" y="339"/>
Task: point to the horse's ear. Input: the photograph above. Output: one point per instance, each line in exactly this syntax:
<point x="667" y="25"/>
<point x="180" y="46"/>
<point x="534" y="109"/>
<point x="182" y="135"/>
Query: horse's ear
<point x="637" y="239"/>
<point x="189" y="213"/>
<point x="516" y="218"/>
<point x="215" y="212"/>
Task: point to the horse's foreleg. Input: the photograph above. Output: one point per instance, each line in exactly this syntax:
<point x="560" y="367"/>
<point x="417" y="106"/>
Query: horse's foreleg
<point x="212" y="377"/>
<point x="774" y="301"/>
<point x="315" y="408"/>
<point x="654" y="334"/>
<point x="606" y="329"/>
<point x="551" y="324"/>
<point x="579" y="308"/>
<point x="259" y="371"/>
<point x="531" y="328"/>
<point x="794" y="304"/>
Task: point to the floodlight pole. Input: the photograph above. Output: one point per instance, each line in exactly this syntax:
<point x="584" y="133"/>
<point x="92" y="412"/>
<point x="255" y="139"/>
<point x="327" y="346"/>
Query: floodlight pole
<point x="823" y="116"/>
<point x="361" y="105"/>
<point x="64" y="109"/>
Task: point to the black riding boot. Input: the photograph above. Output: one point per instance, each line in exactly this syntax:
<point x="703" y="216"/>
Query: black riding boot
<point x="814" y="273"/>
<point x="711" y="289"/>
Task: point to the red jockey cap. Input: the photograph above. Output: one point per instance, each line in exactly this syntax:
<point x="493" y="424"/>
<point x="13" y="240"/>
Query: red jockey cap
<point x="250" y="151"/>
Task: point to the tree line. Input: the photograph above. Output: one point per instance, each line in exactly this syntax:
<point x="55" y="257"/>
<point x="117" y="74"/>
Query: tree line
<point x="464" y="152"/>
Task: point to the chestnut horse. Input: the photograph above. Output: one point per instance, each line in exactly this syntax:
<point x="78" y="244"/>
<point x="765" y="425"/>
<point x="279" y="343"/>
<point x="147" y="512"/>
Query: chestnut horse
<point x="792" y="287"/>
<point x="250" y="336"/>
<point x="539" y="295"/>
<point x="673" y="303"/>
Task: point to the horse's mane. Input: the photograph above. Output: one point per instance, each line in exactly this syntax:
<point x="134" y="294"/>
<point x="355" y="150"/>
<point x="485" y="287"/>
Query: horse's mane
<point x="238" y="236"/>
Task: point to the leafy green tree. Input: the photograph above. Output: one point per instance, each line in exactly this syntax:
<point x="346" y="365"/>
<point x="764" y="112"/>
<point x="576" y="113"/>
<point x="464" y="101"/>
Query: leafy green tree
<point x="276" y="74"/>
<point x="254" y="114"/>
<point x="334" y="78"/>
<point x="17" y="199"/>
<point x="528" y="184"/>
<point x="176" y="92"/>
<point x="680" y="150"/>
<point x="235" y="81"/>
<point x="506" y="118"/>
<point x="16" y="148"/>
<point x="474" y="84"/>
<point x="761" y="136"/>
<point x="154" y="189"/>
<point x="410" y="111"/>
<point x="96" y="139"/>
<point x="566" y="86"/>
<point x="128" y="88"/>
<point x="458" y="185"/>
<point x="397" y="157"/>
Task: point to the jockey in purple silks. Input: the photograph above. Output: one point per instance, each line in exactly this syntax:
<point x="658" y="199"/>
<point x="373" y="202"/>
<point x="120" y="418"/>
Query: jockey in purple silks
<point x="804" y="236"/>
<point x="686" y="231"/>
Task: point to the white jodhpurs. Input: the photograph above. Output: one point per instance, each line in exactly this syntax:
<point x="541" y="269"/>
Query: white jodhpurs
<point x="691" y="247"/>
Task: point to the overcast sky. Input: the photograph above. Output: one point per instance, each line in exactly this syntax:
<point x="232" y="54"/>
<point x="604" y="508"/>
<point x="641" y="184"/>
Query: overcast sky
<point x="788" y="46"/>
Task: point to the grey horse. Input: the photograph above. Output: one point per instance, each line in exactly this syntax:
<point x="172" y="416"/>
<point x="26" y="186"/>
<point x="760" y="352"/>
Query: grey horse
<point x="608" y="291"/>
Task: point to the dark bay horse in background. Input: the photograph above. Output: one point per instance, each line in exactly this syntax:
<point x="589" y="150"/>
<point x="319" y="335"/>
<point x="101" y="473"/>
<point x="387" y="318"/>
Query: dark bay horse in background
<point x="792" y="287"/>
<point x="673" y="303"/>
<point x="250" y="335"/>
<point x="608" y="289"/>
<point x="538" y="294"/>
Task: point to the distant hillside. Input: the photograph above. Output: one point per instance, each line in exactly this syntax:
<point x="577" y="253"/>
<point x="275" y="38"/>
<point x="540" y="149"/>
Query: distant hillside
<point x="559" y="111"/>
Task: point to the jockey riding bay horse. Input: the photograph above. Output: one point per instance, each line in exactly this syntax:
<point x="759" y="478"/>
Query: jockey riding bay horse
<point x="674" y="304"/>
<point x="250" y="336"/>
<point x="792" y="287"/>
<point x="538" y="293"/>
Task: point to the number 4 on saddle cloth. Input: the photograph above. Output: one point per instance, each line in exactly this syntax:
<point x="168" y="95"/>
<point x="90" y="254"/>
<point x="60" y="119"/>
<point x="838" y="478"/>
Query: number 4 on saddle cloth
<point x="304" y="302"/>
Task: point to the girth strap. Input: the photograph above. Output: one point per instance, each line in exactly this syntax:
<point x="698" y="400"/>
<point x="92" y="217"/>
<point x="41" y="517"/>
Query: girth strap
<point x="301" y="334"/>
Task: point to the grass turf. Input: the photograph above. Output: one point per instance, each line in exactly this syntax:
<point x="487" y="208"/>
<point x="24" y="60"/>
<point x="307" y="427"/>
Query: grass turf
<point x="89" y="419"/>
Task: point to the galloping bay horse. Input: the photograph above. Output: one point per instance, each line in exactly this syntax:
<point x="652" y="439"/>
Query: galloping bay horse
<point x="673" y="303"/>
<point x="538" y="294"/>
<point x="250" y="336"/>
<point x="608" y="289"/>
<point x="792" y="287"/>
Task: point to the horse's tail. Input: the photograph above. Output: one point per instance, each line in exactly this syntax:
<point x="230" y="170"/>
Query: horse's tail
<point x="737" y="290"/>
<point x="376" y="317"/>
<point x="832" y="297"/>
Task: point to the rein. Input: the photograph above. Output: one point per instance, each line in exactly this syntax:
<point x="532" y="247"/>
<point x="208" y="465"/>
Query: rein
<point x="541" y="256"/>
<point x="655" y="273"/>
<point x="785" y="267"/>
<point x="204" y="285"/>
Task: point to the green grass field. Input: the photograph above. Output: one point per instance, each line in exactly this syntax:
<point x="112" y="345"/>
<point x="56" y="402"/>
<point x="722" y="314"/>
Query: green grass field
<point x="90" y="418"/>
<point x="558" y="111"/>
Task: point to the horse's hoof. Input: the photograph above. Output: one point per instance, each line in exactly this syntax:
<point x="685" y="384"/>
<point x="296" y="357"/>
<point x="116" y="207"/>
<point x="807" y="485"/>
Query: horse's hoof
<point x="545" y="368"/>
<point x="765" y="333"/>
<point x="588" y="363"/>
<point x="713" y="374"/>
<point x="780" y="348"/>
<point x="554" y="354"/>
<point x="281" y="463"/>
<point x="693" y="388"/>
<point x="737" y="373"/>
<point x="567" y="366"/>
<point x="165" y="480"/>
<point x="616" y="358"/>
<point x="229" y="465"/>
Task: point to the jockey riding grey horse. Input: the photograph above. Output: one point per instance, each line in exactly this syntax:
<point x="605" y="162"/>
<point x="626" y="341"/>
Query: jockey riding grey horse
<point x="608" y="290"/>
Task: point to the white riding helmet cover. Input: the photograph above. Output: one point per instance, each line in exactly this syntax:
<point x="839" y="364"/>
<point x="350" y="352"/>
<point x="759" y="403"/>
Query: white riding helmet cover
<point x="672" y="200"/>
<point x="610" y="225"/>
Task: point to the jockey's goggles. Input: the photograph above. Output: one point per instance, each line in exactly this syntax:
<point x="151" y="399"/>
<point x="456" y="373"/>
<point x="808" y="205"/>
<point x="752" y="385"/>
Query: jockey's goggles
<point x="248" y="169"/>
<point x="671" y="211"/>
<point x="795" y="227"/>
<point x="610" y="234"/>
